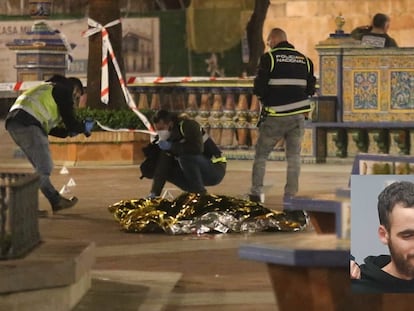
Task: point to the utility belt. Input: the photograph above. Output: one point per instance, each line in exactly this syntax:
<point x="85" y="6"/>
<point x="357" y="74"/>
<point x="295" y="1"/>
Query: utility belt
<point x="270" y="112"/>
<point x="302" y="106"/>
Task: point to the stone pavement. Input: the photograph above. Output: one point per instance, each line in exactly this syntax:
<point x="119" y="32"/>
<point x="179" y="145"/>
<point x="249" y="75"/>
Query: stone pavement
<point x="159" y="271"/>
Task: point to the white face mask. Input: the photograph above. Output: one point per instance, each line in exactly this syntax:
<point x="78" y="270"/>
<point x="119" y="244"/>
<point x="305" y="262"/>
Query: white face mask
<point x="163" y="134"/>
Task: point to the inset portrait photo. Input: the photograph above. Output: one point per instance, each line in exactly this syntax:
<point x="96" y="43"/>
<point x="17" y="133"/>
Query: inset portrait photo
<point x="382" y="233"/>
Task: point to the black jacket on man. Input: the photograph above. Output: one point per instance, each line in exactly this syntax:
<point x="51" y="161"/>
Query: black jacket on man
<point x="187" y="137"/>
<point x="375" y="280"/>
<point x="285" y="77"/>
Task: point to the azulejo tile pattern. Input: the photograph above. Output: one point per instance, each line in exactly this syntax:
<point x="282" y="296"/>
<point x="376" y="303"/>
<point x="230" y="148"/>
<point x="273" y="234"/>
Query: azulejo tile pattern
<point x="371" y="84"/>
<point x="329" y="65"/>
<point x="365" y="90"/>
<point x="402" y="90"/>
<point x="382" y="84"/>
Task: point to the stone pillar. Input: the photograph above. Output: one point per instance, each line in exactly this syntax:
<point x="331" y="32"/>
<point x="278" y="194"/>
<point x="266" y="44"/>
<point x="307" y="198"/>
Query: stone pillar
<point x="192" y="106"/>
<point x="381" y="141"/>
<point x="143" y="100"/>
<point x="242" y="126"/>
<point x="400" y="142"/>
<point x="155" y="99"/>
<point x="361" y="139"/>
<point x="178" y="100"/>
<point x="205" y="109"/>
<point x="166" y="98"/>
<point x="216" y="114"/>
<point x="340" y="138"/>
<point x="254" y="114"/>
<point x="227" y="139"/>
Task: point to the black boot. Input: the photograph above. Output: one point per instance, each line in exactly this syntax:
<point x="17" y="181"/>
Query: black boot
<point x="64" y="203"/>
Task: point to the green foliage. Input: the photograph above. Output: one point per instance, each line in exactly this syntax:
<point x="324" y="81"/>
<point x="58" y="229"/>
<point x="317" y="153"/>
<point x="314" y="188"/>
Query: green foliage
<point x="116" y="119"/>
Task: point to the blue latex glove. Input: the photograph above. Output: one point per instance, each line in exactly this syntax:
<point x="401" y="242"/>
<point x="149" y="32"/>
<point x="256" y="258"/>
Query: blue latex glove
<point x="151" y="196"/>
<point x="89" y="124"/>
<point x="164" y="145"/>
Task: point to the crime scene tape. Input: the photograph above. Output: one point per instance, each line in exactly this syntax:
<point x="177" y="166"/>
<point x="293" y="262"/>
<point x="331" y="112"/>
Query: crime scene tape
<point x="106" y="128"/>
<point x="107" y="49"/>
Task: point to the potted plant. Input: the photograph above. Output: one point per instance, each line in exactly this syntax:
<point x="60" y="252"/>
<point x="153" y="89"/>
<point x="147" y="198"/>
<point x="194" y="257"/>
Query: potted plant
<point x="123" y="145"/>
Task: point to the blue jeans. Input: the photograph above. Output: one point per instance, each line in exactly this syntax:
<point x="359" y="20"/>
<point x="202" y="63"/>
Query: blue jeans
<point x="35" y="144"/>
<point x="273" y="129"/>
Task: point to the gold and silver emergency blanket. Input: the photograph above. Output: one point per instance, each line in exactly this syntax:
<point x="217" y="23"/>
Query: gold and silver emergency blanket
<point x="198" y="214"/>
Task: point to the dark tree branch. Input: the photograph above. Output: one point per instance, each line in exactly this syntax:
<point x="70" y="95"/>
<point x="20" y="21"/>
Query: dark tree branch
<point x="254" y="31"/>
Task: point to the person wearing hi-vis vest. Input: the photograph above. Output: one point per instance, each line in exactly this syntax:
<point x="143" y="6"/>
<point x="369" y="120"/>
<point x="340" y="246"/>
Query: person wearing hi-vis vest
<point x="188" y="157"/>
<point x="47" y="109"/>
<point x="284" y="84"/>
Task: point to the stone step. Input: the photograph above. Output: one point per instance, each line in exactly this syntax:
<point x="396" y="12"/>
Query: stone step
<point x="54" y="276"/>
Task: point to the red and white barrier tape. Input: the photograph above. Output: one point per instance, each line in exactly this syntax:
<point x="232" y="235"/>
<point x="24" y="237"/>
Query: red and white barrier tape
<point x="18" y="86"/>
<point x="24" y="85"/>
<point x="107" y="49"/>
<point x="155" y="80"/>
<point x="106" y="128"/>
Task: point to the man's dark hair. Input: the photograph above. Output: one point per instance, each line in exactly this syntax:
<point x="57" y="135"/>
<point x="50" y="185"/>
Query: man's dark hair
<point x="380" y="20"/>
<point x="71" y="82"/>
<point x="400" y="192"/>
<point x="164" y="116"/>
<point x="58" y="79"/>
<point x="76" y="83"/>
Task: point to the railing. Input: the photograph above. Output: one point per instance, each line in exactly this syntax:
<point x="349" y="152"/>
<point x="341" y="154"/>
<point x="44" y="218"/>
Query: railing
<point x="19" y="228"/>
<point x="229" y="111"/>
<point x="226" y="107"/>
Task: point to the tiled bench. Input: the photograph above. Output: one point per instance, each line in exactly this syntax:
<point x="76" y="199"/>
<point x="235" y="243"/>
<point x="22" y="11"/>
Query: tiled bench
<point x="330" y="213"/>
<point x="311" y="272"/>
<point x="308" y="271"/>
<point x="393" y="160"/>
<point x="383" y="142"/>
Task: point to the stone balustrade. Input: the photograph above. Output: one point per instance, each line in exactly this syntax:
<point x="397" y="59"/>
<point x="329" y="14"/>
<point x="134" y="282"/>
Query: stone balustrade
<point x="229" y="112"/>
<point x="227" y="109"/>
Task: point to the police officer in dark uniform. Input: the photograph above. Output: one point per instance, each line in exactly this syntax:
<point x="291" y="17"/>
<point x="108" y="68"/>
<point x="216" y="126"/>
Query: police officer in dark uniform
<point x="189" y="158"/>
<point x="284" y="83"/>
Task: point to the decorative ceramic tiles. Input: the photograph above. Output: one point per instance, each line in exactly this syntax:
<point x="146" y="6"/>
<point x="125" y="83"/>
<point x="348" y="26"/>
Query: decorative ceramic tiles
<point x="402" y="90"/>
<point x="329" y="69"/>
<point x="365" y="90"/>
<point x="371" y="84"/>
<point x="307" y="143"/>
